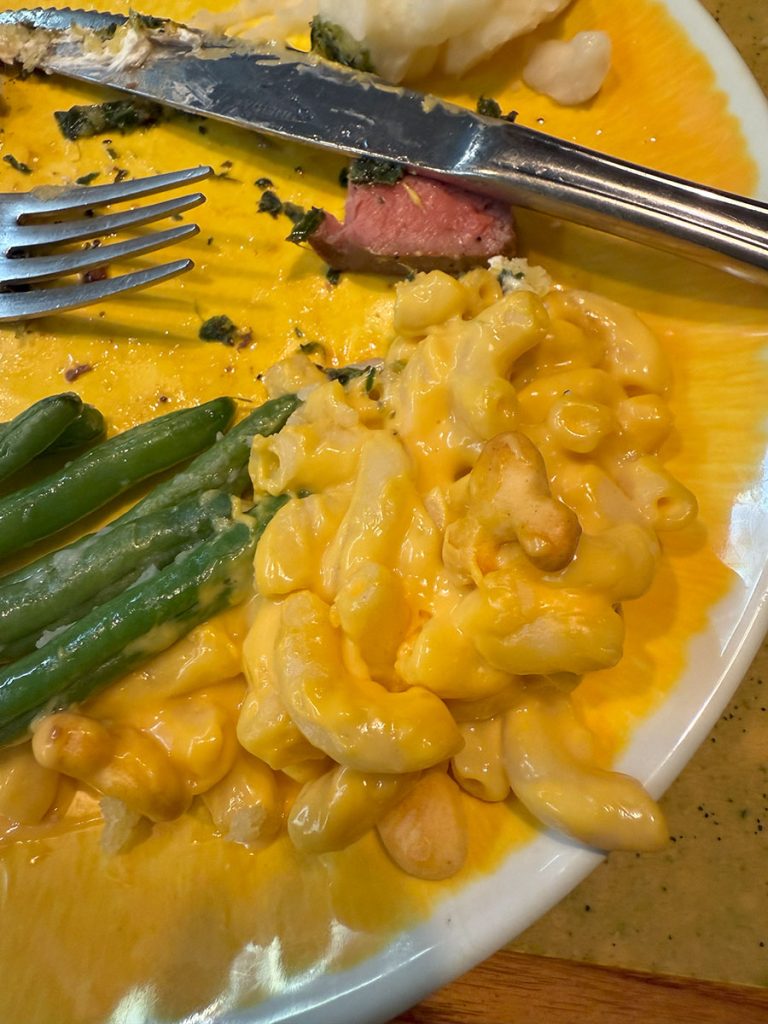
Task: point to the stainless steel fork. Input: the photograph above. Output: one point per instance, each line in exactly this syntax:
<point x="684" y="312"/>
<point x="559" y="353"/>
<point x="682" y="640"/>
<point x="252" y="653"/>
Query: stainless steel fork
<point x="33" y="224"/>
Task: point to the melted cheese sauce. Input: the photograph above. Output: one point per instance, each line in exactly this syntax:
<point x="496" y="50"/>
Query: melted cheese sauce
<point x="183" y="920"/>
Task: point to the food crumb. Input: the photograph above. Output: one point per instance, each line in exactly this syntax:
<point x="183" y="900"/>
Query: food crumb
<point x="17" y="165"/>
<point x="76" y="371"/>
<point x="97" y="274"/>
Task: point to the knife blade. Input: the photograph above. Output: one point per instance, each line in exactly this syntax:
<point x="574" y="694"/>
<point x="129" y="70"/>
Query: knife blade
<point x="272" y="89"/>
<point x="294" y="95"/>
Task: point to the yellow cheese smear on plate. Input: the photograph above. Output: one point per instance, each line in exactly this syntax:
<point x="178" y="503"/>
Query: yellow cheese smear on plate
<point x="181" y="920"/>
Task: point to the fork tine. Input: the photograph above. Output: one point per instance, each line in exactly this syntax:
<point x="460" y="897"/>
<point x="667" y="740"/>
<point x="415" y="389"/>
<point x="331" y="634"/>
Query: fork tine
<point x="16" y="306"/>
<point x="29" y="236"/>
<point x="70" y="200"/>
<point x="40" y="268"/>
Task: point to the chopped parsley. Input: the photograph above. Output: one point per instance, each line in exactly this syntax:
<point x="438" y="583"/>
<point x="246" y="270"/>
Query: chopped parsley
<point x="81" y="122"/>
<point x="368" y="171"/>
<point x="345" y="374"/>
<point x="313" y="348"/>
<point x="86" y="179"/>
<point x="263" y="183"/>
<point x="508" y="279"/>
<point x="17" y="165"/>
<point x="307" y="226"/>
<point x="293" y="212"/>
<point x="336" y="44"/>
<point x="218" y="328"/>
<point x="270" y="203"/>
<point x="148" y="21"/>
<point x="333" y="276"/>
<point x="489" y="107"/>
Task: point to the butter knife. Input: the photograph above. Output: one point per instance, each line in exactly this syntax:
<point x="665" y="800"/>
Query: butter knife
<point x="293" y="95"/>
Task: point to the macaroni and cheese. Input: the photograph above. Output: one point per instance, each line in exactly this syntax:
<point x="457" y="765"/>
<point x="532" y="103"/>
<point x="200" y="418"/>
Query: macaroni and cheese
<point x="466" y="518"/>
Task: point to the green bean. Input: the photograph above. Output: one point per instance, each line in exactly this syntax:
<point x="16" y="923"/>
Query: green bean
<point x="87" y="428"/>
<point x="223" y="466"/>
<point x="109" y="469"/>
<point x="34" y="430"/>
<point x="62" y="586"/>
<point x="134" y="626"/>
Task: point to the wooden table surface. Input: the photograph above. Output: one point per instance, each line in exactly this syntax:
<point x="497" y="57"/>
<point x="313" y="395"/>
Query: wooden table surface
<point x="517" y="988"/>
<point x="706" y="983"/>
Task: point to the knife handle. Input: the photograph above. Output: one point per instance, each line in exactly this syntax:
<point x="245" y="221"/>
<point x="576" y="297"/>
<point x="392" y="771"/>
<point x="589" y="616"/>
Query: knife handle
<point x="567" y="181"/>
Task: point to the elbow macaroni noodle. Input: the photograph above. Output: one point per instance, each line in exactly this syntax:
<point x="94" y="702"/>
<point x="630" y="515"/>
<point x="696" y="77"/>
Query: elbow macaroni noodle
<point x="462" y="530"/>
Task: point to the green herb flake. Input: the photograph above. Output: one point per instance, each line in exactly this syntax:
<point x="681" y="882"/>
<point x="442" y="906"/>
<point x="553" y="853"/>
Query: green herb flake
<point x="263" y="183"/>
<point x="507" y="278"/>
<point x="488" y="107"/>
<point x="270" y="203"/>
<point x="370" y="379"/>
<point x="218" y="328"/>
<point x="333" y="276"/>
<point x="345" y="374"/>
<point x="336" y="44"/>
<point x="293" y="212"/>
<point x="86" y="179"/>
<point x="307" y="226"/>
<point x="17" y="165"/>
<point x="368" y="171"/>
<point x="398" y="366"/>
<point x="147" y="21"/>
<point x="312" y="348"/>
<point x="82" y="122"/>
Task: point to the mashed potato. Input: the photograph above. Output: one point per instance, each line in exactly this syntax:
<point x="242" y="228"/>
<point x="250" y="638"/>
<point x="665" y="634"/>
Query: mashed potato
<point x="572" y="71"/>
<point x="408" y="38"/>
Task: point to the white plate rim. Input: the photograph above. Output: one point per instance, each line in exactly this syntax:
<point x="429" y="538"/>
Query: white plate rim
<point x="456" y="937"/>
